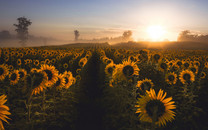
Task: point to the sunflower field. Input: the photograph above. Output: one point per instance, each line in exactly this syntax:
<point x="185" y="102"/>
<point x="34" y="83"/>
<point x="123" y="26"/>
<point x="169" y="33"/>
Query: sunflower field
<point x="103" y="88"/>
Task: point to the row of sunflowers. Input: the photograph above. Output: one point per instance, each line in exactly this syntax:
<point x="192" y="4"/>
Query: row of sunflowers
<point x="166" y="89"/>
<point x="144" y="89"/>
<point x="36" y="82"/>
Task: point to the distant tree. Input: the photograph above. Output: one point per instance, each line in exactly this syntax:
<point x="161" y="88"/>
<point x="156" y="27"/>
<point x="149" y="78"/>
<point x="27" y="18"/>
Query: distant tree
<point x="76" y="34"/>
<point x="127" y="35"/>
<point x="5" y="34"/>
<point x="22" y="29"/>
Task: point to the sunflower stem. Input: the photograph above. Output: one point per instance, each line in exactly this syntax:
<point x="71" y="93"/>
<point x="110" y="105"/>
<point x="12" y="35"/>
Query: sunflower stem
<point x="154" y="118"/>
<point x="44" y="107"/>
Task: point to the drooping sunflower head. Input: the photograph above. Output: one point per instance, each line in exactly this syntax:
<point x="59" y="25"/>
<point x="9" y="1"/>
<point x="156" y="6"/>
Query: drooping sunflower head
<point x="60" y="82"/>
<point x="156" y="57"/>
<point x="156" y="108"/>
<point x="187" y="76"/>
<point x="109" y="69"/>
<point x="4" y="71"/>
<point x="171" y="78"/>
<point x="82" y="62"/>
<point x="145" y="84"/>
<point x="36" y="81"/>
<point x="14" y="77"/>
<point x="4" y="111"/>
<point x="69" y="79"/>
<point x="51" y="72"/>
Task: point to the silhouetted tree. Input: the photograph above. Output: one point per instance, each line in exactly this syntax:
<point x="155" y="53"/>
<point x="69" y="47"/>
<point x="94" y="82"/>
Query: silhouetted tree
<point x="22" y="29"/>
<point x="76" y="34"/>
<point x="127" y="35"/>
<point x="186" y="35"/>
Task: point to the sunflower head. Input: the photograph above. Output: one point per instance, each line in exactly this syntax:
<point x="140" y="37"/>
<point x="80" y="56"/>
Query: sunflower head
<point x="156" y="108"/>
<point x="171" y="78"/>
<point x="36" y="81"/>
<point x="157" y="57"/>
<point x="4" y="71"/>
<point x="145" y="84"/>
<point x="14" y="77"/>
<point x="186" y="76"/>
<point x="203" y="75"/>
<point x="4" y="111"/>
<point x="129" y="68"/>
<point x="22" y="74"/>
<point x="109" y="69"/>
<point x="163" y="66"/>
<point x="51" y="72"/>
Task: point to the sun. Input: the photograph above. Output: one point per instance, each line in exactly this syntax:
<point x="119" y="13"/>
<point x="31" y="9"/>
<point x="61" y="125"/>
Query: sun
<point x="156" y="32"/>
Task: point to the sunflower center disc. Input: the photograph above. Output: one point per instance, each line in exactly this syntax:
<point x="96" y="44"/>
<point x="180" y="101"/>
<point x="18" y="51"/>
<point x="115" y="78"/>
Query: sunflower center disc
<point x="21" y="74"/>
<point x="171" y="77"/>
<point x="49" y="74"/>
<point x="38" y="79"/>
<point x="146" y="86"/>
<point x="13" y="76"/>
<point x="128" y="70"/>
<point x="152" y="104"/>
<point x="187" y="77"/>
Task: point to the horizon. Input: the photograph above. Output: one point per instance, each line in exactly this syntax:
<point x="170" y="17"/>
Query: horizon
<point x="94" y="20"/>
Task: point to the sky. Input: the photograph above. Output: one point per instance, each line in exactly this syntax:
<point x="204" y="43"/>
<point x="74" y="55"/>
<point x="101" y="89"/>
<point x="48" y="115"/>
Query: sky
<point x="105" y="18"/>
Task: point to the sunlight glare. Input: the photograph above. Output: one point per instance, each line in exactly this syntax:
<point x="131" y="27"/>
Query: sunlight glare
<point x="156" y="32"/>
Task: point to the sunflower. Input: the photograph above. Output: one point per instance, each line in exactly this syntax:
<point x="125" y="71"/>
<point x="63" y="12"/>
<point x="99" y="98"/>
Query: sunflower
<point x="37" y="81"/>
<point x="47" y="61"/>
<point x="4" y="111"/>
<point x="179" y="63"/>
<point x="155" y="108"/>
<point x="197" y="63"/>
<point x="60" y="82"/>
<point x="78" y="71"/>
<point x="156" y="58"/>
<point x="194" y="69"/>
<point x="82" y="62"/>
<point x="206" y="64"/>
<point x="51" y="72"/>
<point x="69" y="79"/>
<point x="171" y="78"/>
<point x="65" y="66"/>
<point x="36" y="62"/>
<point x="129" y="68"/>
<point x="33" y="70"/>
<point x="203" y="75"/>
<point x="162" y="66"/>
<point x="4" y="71"/>
<point x="78" y="78"/>
<point x="109" y="69"/>
<point x="145" y="84"/>
<point x="22" y="74"/>
<point x="14" y="77"/>
<point x="186" y="76"/>
<point x="186" y="64"/>
<point x="19" y="62"/>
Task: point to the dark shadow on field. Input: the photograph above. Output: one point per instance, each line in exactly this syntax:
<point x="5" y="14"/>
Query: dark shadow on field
<point x="89" y="109"/>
